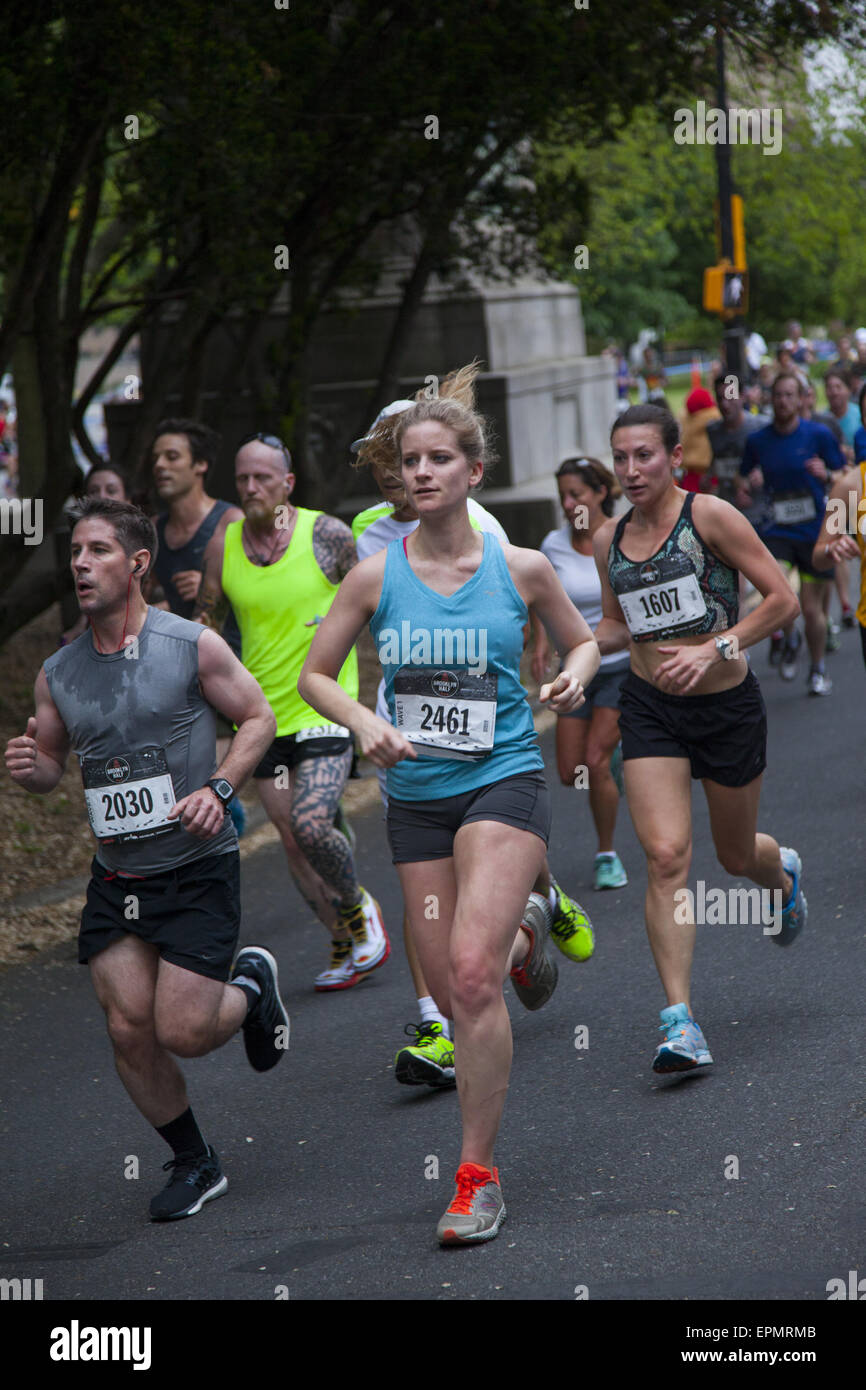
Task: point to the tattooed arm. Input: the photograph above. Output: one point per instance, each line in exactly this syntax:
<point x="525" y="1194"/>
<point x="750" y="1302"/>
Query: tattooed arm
<point x="211" y="605"/>
<point x="333" y="547"/>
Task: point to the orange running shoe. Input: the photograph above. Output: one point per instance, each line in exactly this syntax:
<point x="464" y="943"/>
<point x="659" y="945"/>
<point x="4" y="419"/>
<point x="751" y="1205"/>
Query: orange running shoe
<point x="477" y="1209"/>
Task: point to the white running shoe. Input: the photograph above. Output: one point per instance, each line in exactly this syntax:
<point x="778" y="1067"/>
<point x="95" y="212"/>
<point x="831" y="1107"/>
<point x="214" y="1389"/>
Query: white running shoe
<point x="341" y="973"/>
<point x="370" y="944"/>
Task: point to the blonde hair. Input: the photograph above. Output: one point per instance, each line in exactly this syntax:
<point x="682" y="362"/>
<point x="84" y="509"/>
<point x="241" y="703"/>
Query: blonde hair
<point x="453" y="406"/>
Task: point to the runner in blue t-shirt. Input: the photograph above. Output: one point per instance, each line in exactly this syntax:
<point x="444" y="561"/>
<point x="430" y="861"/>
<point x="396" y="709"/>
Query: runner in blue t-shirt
<point x="860" y="434"/>
<point x="791" y="460"/>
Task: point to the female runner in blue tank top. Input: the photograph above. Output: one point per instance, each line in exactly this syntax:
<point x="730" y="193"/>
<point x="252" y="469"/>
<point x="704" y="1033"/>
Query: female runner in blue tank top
<point x="690" y="706"/>
<point x="468" y="809"/>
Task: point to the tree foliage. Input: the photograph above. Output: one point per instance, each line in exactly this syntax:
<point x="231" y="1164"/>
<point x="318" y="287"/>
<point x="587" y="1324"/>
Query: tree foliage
<point x="303" y="127"/>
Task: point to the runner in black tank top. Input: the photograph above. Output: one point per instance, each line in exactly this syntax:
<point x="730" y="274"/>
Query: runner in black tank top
<point x="690" y="707"/>
<point x="182" y="454"/>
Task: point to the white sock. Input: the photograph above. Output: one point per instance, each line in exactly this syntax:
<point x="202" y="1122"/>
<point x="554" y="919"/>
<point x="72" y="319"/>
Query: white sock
<point x="606" y="854"/>
<point x="430" y="1014"/>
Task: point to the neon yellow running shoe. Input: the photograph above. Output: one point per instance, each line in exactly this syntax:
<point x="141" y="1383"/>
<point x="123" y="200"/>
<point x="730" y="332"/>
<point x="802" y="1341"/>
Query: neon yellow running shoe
<point x="430" y="1062"/>
<point x="572" y="929"/>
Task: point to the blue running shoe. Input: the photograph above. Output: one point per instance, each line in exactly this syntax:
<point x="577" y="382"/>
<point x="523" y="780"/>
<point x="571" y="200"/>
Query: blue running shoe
<point x="609" y="872"/>
<point x="238" y="813"/>
<point x="685" y="1046"/>
<point x="795" y="914"/>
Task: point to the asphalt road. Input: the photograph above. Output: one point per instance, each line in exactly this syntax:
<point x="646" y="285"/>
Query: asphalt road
<point x="619" y="1185"/>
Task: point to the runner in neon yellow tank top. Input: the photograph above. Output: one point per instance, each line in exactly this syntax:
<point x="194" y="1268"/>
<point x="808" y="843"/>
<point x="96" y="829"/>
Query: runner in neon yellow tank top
<point x="281" y="568"/>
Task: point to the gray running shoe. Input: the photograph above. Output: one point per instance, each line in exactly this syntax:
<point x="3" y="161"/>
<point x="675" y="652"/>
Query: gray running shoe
<point x="477" y="1209"/>
<point x="535" y="978"/>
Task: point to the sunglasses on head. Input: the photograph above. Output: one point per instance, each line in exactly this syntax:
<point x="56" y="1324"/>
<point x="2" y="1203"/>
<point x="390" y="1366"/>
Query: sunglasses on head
<point x="273" y="441"/>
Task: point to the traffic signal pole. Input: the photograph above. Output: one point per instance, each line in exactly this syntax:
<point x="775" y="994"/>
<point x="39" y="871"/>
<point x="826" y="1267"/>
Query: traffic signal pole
<point x="734" y="331"/>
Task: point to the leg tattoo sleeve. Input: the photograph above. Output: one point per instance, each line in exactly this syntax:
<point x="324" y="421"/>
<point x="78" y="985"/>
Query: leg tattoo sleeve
<point x="319" y="783"/>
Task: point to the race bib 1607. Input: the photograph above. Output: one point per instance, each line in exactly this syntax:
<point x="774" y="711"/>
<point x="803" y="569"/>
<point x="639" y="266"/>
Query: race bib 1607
<point x="661" y="594"/>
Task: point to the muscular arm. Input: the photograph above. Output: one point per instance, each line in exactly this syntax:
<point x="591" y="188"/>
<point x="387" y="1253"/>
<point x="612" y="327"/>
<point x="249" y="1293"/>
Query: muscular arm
<point x="211" y="605"/>
<point x="37" y="760"/>
<point x="735" y="540"/>
<point x="229" y="687"/>
<point x="333" y="547"/>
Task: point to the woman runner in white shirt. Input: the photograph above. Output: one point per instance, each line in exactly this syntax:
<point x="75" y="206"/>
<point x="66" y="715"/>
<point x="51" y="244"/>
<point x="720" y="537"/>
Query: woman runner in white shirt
<point x="588" y="737"/>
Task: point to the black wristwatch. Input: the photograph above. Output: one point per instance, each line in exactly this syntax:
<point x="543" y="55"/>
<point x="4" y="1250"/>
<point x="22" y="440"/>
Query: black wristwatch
<point x="221" y="788"/>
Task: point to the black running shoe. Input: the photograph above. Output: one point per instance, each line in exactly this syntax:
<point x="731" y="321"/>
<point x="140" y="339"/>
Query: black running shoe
<point x="267" y="1027"/>
<point x="196" y="1179"/>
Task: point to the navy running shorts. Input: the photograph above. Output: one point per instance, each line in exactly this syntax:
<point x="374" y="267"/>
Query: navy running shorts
<point x="425" y="830"/>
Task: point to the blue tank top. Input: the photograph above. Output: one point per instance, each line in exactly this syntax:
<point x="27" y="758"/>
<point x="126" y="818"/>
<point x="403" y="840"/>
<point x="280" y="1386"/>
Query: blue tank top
<point x="682" y="589"/>
<point x="452" y="677"/>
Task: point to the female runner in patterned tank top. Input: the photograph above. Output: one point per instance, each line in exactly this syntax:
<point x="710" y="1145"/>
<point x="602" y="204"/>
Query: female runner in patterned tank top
<point x="690" y="706"/>
<point x="468" y="809"/>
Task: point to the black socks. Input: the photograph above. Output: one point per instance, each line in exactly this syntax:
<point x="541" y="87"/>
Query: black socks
<point x="183" y="1134"/>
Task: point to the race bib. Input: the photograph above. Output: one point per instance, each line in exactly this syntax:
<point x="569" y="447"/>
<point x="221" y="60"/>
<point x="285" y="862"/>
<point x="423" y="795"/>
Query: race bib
<point x="793" y="508"/>
<point x="322" y="731"/>
<point x="661" y="594"/>
<point x="727" y="467"/>
<point x="446" y="713"/>
<point x="129" y="795"/>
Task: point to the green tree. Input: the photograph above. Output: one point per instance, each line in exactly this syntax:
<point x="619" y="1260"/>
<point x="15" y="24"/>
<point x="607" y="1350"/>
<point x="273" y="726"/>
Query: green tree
<point x="304" y="128"/>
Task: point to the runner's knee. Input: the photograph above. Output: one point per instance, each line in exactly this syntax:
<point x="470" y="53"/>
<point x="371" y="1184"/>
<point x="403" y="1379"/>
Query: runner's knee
<point x="597" y="759"/>
<point x="129" y="1031"/>
<point x="473" y="984"/>
<point x="186" y="1037"/>
<point x="668" y="859"/>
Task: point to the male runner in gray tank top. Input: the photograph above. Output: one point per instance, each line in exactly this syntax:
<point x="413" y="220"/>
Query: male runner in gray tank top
<point x="134" y="697"/>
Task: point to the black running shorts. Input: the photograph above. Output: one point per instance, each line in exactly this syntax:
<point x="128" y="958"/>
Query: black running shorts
<point x="288" y="752"/>
<point x="192" y="913"/>
<point x="796" y="553"/>
<point x="426" y="830"/>
<point x="723" y="735"/>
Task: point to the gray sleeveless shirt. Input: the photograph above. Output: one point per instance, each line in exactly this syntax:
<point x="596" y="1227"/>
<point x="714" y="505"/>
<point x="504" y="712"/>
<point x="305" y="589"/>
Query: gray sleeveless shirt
<point x="145" y="737"/>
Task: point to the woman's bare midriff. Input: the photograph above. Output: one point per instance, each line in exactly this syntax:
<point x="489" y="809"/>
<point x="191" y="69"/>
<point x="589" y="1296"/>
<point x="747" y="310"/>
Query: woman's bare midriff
<point x="646" y="658"/>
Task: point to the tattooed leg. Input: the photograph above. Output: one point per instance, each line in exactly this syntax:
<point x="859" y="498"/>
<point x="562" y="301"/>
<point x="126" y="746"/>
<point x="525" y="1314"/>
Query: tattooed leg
<point x="277" y="802"/>
<point x="318" y="785"/>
